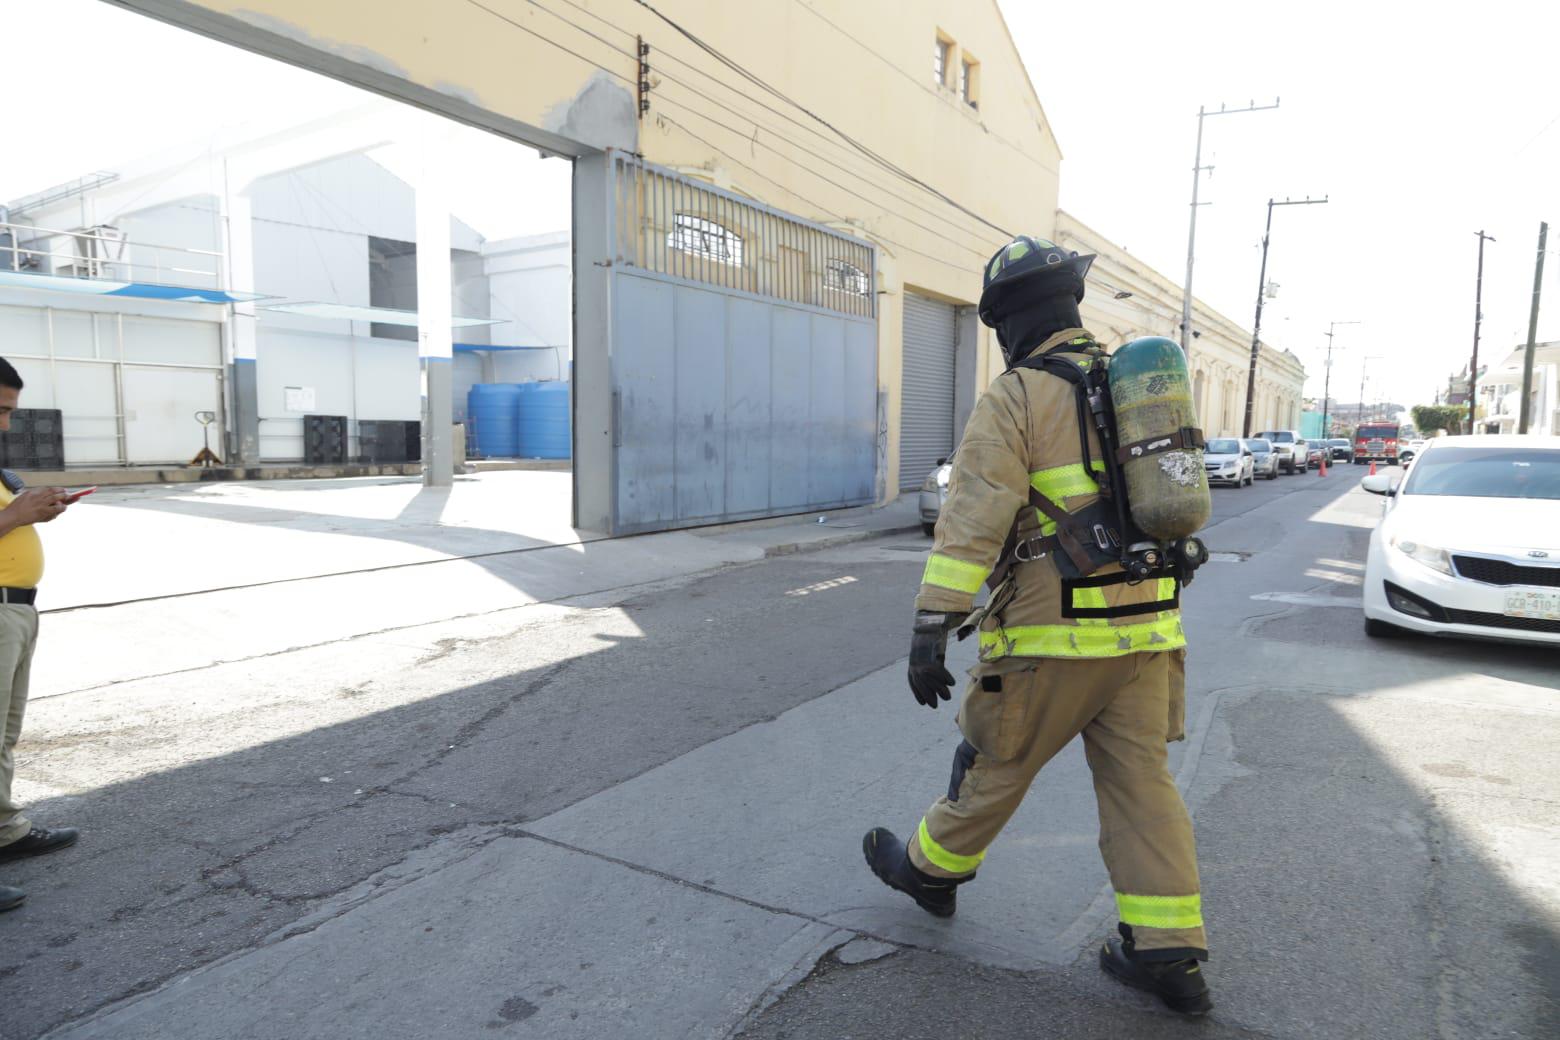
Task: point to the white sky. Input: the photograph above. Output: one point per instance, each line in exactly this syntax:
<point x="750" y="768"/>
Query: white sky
<point x="189" y="88"/>
<point x="1422" y="123"/>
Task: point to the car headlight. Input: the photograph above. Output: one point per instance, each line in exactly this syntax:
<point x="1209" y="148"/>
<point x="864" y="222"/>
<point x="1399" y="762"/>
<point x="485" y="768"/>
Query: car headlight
<point x="1429" y="555"/>
<point x="930" y="484"/>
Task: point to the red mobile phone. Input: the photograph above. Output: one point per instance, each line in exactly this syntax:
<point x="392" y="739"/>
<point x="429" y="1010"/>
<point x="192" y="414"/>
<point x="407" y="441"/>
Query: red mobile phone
<point x="77" y="496"/>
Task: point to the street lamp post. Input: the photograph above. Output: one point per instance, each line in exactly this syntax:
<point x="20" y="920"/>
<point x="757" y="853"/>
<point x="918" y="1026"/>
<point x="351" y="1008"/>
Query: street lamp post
<point x="1191" y="236"/>
<point x="1327" y="379"/>
<point x="1256" y="332"/>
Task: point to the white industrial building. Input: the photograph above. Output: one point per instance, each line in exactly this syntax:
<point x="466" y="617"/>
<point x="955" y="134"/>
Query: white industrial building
<point x="270" y="279"/>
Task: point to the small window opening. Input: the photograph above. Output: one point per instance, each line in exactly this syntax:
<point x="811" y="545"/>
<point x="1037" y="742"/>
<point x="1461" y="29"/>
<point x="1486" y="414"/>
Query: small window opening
<point x="940" y="59"/>
<point x="705" y="238"/>
<point x="843" y="277"/>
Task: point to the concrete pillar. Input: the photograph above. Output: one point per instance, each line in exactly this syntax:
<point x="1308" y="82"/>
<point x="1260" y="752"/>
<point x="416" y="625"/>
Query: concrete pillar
<point x="243" y="336"/>
<point x="595" y="412"/>
<point x="435" y="318"/>
<point x="966" y="386"/>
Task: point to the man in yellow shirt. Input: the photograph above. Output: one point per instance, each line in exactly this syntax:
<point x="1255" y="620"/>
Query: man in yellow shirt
<point x="21" y="567"/>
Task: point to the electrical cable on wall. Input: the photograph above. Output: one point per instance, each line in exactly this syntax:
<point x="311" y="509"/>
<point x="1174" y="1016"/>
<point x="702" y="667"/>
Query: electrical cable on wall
<point x="830" y="139"/>
<point x="817" y="207"/>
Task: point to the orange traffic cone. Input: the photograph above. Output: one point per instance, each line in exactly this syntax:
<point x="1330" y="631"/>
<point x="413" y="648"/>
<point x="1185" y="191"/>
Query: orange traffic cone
<point x="1323" y="471"/>
<point x="1372" y="472"/>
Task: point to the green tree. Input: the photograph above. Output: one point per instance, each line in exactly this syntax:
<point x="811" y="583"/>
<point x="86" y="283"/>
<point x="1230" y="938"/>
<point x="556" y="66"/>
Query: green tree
<point x="1432" y="417"/>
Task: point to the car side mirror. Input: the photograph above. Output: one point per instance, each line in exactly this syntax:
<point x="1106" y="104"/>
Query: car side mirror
<point x="942" y="462"/>
<point x="1380" y="484"/>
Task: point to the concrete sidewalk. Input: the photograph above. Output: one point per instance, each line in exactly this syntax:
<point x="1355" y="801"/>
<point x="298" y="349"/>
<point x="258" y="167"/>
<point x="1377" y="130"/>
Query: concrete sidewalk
<point x="157" y="581"/>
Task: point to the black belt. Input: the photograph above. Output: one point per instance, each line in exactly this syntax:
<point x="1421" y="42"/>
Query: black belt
<point x="10" y="595"/>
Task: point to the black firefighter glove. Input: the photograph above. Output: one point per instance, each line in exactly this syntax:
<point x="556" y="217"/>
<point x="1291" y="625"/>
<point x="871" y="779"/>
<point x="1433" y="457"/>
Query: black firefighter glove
<point x="929" y="676"/>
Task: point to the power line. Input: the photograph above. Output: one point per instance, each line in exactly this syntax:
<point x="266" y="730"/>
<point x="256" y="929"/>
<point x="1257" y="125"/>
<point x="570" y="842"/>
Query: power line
<point x="744" y="115"/>
<point x="693" y="111"/>
<point x="794" y="194"/>
<point x="756" y="81"/>
<point x="810" y="9"/>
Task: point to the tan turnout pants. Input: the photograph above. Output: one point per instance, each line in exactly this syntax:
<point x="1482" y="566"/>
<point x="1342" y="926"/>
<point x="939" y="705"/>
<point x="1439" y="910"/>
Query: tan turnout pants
<point x="1126" y="708"/>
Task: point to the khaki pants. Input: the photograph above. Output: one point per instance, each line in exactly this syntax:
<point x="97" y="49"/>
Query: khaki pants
<point x="18" y="638"/>
<point x="1126" y="708"/>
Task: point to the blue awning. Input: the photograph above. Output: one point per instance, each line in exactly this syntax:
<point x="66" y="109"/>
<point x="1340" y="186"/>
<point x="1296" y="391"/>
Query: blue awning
<point x="137" y="290"/>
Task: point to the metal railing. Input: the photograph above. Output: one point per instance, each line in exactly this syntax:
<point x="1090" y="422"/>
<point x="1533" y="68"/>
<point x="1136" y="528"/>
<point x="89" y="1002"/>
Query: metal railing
<point x="102" y="256"/>
<point x="669" y="224"/>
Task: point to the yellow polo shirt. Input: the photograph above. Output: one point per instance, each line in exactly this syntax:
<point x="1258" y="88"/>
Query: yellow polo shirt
<point x="21" y="552"/>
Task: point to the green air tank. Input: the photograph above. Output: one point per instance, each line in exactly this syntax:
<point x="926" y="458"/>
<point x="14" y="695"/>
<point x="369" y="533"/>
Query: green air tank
<point x="1167" y="490"/>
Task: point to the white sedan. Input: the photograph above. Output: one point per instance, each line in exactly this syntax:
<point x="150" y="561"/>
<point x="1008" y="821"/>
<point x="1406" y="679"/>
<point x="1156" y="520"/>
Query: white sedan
<point x="1469" y="544"/>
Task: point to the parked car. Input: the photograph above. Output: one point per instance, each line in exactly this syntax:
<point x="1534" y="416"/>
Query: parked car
<point x="1438" y="563"/>
<point x="1228" y="461"/>
<point x="1376" y="442"/>
<point x="1406" y="452"/>
<point x="1339" y="448"/>
<point x="934" y="492"/>
<point x="1264" y="460"/>
<point x="1316" y="453"/>
<point x="1293" y="452"/>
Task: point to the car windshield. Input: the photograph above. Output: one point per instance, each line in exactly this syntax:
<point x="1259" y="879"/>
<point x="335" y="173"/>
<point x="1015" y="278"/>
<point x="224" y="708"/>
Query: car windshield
<point x="1259" y="447"/>
<point x="1280" y="436"/>
<point x="1223" y="446"/>
<point x="1339" y="442"/>
<point x="1487" y="473"/>
<point x="1372" y="432"/>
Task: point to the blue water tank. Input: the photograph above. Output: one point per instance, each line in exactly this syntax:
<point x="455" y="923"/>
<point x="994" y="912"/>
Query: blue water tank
<point x="543" y="428"/>
<point x="493" y="410"/>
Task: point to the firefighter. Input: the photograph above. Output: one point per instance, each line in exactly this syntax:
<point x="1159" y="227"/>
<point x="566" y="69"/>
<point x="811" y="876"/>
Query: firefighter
<point x="1101" y="656"/>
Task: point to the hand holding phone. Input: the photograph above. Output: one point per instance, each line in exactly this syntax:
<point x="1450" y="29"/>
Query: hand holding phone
<point x="76" y="496"/>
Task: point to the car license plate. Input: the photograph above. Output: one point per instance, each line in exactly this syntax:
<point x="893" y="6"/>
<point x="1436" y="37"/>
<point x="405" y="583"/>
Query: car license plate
<point x="1542" y="605"/>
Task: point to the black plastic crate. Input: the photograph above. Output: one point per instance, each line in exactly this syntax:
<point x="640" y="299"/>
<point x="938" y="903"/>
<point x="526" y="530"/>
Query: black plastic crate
<point x="324" y="439"/>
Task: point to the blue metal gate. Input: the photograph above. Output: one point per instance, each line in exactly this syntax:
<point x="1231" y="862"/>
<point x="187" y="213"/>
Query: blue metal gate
<point x="743" y="357"/>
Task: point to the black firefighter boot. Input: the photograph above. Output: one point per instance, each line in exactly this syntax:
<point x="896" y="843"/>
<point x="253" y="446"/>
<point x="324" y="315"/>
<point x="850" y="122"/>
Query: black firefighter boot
<point x="890" y="861"/>
<point x="1179" y="983"/>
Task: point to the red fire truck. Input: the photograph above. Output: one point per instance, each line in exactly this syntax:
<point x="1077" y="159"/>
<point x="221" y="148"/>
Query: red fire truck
<point x="1376" y="442"/>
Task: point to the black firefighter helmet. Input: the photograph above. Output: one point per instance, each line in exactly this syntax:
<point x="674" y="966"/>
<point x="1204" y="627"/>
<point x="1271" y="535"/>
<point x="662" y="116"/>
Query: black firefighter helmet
<point x="1025" y="272"/>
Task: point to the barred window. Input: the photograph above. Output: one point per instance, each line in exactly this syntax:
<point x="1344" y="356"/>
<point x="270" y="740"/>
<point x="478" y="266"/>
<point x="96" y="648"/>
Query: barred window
<point x="940" y="58"/>
<point x="705" y="238"/>
<point x="839" y="276"/>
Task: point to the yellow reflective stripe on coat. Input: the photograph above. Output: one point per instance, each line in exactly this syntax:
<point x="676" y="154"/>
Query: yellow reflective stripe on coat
<point x="952" y="862"/>
<point x="1160" y="911"/>
<point x="948" y="573"/>
<point x="1166" y="589"/>
<point x="1083" y="640"/>
<point x="1060" y="483"/>
<point x="1090" y="599"/>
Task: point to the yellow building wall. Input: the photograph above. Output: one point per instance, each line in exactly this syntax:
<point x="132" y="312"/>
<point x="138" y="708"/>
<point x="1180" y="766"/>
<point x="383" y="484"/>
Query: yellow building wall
<point x="565" y="75"/>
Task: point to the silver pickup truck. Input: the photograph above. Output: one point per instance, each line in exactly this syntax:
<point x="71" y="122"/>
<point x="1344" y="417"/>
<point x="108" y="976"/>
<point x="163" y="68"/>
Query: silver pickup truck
<point x="1292" y="450"/>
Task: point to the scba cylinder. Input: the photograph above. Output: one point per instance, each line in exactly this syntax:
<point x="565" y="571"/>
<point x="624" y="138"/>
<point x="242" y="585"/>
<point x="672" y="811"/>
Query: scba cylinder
<point x="1167" y="490"/>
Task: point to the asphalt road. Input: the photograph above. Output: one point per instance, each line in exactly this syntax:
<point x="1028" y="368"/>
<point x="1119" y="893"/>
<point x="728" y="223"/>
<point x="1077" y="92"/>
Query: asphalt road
<point x="1376" y="820"/>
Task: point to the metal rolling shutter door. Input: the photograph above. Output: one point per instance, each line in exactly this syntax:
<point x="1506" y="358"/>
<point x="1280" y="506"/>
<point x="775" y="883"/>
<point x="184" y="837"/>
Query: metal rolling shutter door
<point x="926" y="402"/>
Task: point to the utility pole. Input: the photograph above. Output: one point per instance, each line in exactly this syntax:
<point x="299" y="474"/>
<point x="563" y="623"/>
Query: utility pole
<point x="1527" y="360"/>
<point x="1478" y="316"/>
<point x="1256" y="332"/>
<point x="1327" y="380"/>
<point x="1366" y="361"/>
<point x="1191" y="236"/>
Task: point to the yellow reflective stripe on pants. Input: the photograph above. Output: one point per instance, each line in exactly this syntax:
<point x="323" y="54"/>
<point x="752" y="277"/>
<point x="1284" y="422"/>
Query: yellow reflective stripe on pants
<point x="1083" y="641"/>
<point x="947" y="573"/>
<point x="1160" y="911"/>
<point x="952" y="862"/>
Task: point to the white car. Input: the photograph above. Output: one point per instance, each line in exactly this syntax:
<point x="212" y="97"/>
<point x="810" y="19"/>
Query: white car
<point x="934" y="492"/>
<point x="1228" y="461"/>
<point x="1469" y="543"/>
